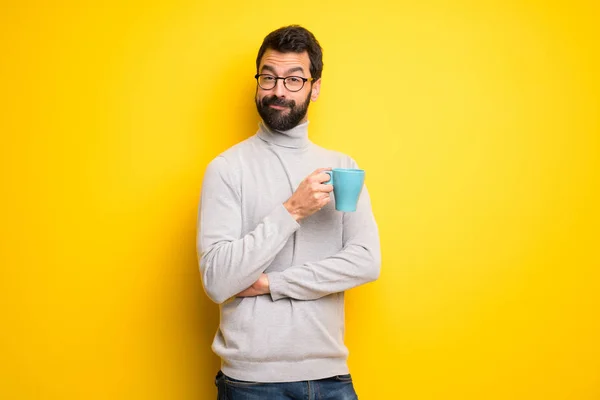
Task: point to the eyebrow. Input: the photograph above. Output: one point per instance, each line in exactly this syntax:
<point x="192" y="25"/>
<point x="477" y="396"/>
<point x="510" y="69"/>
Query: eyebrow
<point x="289" y="71"/>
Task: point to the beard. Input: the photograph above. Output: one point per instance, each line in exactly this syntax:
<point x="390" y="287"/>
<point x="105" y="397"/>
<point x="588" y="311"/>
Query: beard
<point x="280" y="120"/>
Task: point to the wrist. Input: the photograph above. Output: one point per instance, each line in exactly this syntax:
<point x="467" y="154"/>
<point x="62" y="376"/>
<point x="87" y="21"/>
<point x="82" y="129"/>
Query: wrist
<point x="264" y="280"/>
<point x="293" y="210"/>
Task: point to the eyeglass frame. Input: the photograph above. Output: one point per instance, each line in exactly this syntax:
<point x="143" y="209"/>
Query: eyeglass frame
<point x="304" y="80"/>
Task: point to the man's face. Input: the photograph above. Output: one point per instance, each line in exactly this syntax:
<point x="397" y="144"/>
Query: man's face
<point x="280" y="108"/>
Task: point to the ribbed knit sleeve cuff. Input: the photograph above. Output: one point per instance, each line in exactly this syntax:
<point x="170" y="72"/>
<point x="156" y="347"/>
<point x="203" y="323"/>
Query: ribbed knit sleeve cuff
<point x="276" y="285"/>
<point x="283" y="220"/>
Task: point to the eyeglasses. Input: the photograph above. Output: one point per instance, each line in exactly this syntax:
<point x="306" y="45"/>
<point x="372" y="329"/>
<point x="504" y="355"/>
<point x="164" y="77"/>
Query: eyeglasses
<point x="291" y="83"/>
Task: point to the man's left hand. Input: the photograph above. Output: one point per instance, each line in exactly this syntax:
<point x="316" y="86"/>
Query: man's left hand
<point x="260" y="287"/>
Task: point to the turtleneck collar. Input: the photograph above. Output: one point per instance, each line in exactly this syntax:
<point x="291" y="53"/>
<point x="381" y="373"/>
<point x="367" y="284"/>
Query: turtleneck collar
<point x="295" y="138"/>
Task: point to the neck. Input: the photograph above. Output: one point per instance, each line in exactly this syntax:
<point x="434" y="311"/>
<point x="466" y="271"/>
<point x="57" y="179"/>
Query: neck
<point x="297" y="137"/>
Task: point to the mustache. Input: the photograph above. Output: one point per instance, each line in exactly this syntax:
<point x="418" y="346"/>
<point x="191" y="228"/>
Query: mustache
<point x="277" y="101"/>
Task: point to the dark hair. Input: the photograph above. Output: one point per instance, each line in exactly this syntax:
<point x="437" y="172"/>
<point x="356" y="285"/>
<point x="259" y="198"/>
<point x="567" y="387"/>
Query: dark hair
<point x="297" y="39"/>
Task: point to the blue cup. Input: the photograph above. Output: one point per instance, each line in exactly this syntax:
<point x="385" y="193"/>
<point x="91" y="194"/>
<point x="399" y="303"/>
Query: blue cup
<point x="347" y="185"/>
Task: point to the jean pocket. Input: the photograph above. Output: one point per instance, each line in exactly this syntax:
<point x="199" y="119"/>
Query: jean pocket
<point x="343" y="378"/>
<point x="218" y="378"/>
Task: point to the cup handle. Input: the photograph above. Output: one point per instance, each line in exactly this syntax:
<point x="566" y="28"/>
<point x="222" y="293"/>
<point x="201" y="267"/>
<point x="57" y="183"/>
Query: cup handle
<point x="330" y="181"/>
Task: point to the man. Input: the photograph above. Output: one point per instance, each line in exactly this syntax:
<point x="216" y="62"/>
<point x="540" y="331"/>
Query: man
<point x="274" y="252"/>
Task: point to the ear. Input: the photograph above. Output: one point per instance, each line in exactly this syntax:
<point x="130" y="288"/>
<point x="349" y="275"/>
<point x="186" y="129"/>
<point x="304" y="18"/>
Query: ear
<point x="316" y="88"/>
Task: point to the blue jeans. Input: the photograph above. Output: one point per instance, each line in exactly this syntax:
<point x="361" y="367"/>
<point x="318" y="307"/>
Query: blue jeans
<point x="335" y="388"/>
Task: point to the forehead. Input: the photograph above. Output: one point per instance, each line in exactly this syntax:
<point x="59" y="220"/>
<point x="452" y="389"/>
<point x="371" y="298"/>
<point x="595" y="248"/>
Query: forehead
<point x="282" y="62"/>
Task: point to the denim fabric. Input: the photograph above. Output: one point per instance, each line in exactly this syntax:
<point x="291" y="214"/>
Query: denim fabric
<point x="335" y="388"/>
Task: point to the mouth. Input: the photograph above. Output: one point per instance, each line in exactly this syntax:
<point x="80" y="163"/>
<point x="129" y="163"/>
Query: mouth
<point x="278" y="107"/>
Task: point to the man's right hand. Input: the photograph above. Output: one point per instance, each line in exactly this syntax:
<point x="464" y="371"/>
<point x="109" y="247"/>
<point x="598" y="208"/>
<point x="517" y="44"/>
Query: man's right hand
<point x="311" y="195"/>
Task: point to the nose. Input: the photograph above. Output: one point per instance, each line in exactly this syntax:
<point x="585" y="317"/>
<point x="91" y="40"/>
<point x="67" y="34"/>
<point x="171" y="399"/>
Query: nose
<point x="279" y="89"/>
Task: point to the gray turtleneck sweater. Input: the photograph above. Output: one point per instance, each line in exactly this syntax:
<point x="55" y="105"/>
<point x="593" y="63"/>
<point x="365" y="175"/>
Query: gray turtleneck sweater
<point x="297" y="332"/>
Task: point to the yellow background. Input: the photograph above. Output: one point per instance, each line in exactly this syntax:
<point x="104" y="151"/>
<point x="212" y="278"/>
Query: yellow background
<point x="477" y="123"/>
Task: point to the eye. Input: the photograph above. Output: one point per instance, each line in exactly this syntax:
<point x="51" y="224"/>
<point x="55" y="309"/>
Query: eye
<point x="294" y="79"/>
<point x="268" y="78"/>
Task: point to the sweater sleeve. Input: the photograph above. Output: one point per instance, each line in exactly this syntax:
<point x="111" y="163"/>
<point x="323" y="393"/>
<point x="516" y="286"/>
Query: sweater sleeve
<point x="230" y="262"/>
<point x="357" y="263"/>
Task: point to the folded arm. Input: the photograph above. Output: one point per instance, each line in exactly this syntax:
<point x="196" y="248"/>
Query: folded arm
<point x="230" y="262"/>
<point x="357" y="263"/>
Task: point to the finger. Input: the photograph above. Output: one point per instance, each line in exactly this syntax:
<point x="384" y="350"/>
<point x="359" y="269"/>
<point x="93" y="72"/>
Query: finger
<point x="319" y="170"/>
<point x="321" y="196"/>
<point x="317" y="196"/>
<point x="324" y="188"/>
<point x="323" y="177"/>
<point x="324" y="202"/>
